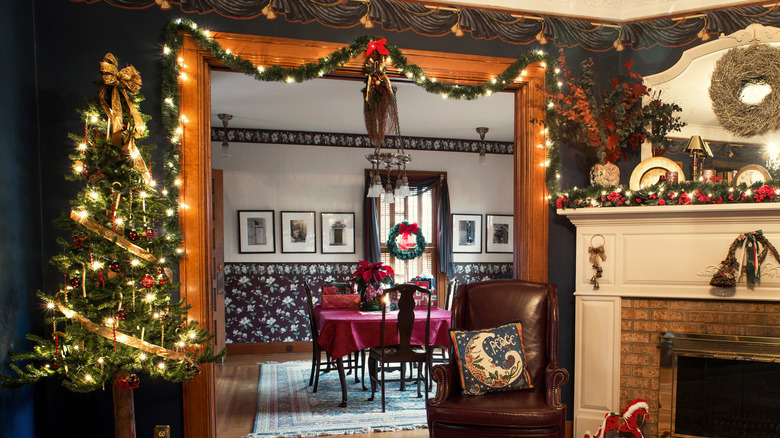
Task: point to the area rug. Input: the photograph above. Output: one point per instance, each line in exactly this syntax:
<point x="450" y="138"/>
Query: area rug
<point x="287" y="407"/>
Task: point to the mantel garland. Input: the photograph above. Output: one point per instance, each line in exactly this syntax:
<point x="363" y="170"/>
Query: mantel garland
<point x="681" y="193"/>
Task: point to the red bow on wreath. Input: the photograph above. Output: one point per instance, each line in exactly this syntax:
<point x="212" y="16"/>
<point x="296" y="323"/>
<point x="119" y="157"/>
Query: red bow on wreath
<point x="405" y="232"/>
<point x="379" y="46"/>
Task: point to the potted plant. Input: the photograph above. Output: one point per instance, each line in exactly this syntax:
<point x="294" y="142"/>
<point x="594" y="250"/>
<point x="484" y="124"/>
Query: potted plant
<point x="369" y="278"/>
<point x="621" y="118"/>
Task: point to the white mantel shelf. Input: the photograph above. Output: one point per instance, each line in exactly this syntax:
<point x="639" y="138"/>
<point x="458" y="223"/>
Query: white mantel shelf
<point x="652" y="252"/>
<point x="672" y="251"/>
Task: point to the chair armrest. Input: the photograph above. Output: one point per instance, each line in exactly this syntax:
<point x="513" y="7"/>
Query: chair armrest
<point x="447" y="381"/>
<point x="555" y="378"/>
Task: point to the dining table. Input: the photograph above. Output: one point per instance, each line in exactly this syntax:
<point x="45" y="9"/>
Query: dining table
<point x="343" y="331"/>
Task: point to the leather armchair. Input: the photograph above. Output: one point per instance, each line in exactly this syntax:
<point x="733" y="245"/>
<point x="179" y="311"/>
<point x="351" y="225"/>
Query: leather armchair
<point x="535" y="413"/>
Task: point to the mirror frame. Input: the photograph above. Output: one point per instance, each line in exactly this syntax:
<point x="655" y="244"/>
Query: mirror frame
<point x="752" y="34"/>
<point x="530" y="195"/>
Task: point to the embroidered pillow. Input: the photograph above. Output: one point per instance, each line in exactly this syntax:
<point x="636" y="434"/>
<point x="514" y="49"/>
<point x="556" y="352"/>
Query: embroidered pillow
<point x="491" y="360"/>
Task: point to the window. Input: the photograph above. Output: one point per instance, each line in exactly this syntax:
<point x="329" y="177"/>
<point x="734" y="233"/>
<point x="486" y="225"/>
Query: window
<point x="421" y="209"/>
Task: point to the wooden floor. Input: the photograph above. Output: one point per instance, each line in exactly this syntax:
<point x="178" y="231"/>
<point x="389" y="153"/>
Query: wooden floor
<point x="236" y="381"/>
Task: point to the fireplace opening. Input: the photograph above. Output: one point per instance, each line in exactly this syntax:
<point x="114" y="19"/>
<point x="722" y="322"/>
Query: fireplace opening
<point x="719" y="386"/>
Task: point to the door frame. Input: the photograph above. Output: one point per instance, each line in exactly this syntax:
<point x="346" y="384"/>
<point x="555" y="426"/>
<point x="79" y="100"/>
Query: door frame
<point x="530" y="195"/>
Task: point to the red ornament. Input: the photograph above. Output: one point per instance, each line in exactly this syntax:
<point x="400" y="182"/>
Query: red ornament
<point x="150" y="233"/>
<point x="131" y="381"/>
<point x="54" y="366"/>
<point x="121" y="315"/>
<point x="101" y="282"/>
<point x="78" y="241"/>
<point x="147" y="281"/>
<point x="133" y="235"/>
<point x="115" y="266"/>
<point x="75" y="281"/>
<point x="162" y="280"/>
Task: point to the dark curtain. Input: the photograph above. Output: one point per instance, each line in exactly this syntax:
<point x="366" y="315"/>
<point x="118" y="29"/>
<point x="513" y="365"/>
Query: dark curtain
<point x="444" y="241"/>
<point x="370" y="227"/>
<point x="417" y="187"/>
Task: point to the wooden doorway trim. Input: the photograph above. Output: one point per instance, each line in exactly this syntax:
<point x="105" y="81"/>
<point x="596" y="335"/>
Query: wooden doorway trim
<point x="530" y="206"/>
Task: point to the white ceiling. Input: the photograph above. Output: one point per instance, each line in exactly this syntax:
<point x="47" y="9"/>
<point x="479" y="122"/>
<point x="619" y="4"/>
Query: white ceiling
<point x="603" y="10"/>
<point x="332" y="105"/>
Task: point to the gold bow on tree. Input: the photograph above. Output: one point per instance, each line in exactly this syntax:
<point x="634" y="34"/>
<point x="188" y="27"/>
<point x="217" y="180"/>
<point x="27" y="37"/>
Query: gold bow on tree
<point x="119" y="82"/>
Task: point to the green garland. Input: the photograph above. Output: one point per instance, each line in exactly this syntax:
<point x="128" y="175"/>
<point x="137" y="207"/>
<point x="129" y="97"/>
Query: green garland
<point x="682" y="193"/>
<point x="405" y="254"/>
<point x="327" y="64"/>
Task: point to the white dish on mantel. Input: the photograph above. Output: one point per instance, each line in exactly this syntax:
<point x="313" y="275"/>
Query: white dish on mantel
<point x="650" y="171"/>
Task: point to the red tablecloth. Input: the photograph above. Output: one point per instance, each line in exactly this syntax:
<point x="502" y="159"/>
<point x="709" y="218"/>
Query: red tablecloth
<point x="343" y="331"/>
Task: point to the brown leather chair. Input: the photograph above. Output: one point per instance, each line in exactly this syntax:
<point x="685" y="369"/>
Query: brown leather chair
<point x="536" y="413"/>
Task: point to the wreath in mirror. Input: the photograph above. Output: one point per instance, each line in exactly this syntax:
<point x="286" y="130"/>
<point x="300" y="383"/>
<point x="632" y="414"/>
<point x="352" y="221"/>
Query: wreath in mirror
<point x="406" y="241"/>
<point x="745" y="90"/>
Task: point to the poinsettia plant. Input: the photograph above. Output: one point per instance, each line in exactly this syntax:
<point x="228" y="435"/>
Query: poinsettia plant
<point x="369" y="278"/>
<point x="622" y="117"/>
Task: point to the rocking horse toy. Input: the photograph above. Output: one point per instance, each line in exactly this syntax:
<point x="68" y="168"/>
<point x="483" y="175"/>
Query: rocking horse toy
<point x="628" y="422"/>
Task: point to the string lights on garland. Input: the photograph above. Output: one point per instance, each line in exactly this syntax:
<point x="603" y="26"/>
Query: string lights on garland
<point x="174" y="70"/>
<point x="661" y="194"/>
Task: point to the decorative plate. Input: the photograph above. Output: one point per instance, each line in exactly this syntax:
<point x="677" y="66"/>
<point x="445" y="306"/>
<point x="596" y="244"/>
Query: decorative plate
<point x="649" y="172"/>
<point x="752" y="173"/>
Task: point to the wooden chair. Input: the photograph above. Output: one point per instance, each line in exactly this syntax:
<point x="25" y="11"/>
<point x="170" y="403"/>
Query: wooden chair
<point x="442" y="354"/>
<point x="535" y="413"/>
<point x="404" y="352"/>
<point x="353" y="362"/>
<point x="316" y="358"/>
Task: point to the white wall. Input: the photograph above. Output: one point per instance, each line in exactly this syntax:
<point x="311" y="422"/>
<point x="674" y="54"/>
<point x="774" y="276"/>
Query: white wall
<point x="330" y="179"/>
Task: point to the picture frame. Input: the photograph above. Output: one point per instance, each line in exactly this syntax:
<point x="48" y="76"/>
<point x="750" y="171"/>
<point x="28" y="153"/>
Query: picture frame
<point x="256" y="231"/>
<point x="337" y="233"/>
<point x="466" y="233"/>
<point x="499" y="233"/>
<point x="298" y="232"/>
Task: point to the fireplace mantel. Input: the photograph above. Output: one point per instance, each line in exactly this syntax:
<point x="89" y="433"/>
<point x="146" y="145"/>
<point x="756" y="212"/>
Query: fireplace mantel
<point x="672" y="251"/>
<point x="652" y="252"/>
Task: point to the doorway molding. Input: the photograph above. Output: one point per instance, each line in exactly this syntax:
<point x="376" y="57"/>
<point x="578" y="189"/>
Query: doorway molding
<point x="529" y="204"/>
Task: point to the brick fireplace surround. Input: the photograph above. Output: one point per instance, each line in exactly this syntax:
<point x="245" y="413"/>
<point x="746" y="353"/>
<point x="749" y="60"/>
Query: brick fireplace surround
<point x="644" y="320"/>
<point x="656" y="280"/>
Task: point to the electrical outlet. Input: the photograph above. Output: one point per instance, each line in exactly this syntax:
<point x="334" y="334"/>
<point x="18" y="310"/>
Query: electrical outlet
<point x="162" y="431"/>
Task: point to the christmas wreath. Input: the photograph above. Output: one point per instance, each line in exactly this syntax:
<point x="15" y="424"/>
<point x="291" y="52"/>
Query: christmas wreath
<point x="739" y="67"/>
<point x="404" y="248"/>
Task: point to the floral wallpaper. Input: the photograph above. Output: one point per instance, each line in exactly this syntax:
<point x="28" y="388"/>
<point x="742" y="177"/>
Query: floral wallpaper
<point x="237" y="135"/>
<point x="266" y="302"/>
<point x="471" y="272"/>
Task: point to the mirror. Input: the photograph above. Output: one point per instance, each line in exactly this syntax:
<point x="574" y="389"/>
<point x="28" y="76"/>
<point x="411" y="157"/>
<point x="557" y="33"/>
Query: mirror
<point x="687" y="83"/>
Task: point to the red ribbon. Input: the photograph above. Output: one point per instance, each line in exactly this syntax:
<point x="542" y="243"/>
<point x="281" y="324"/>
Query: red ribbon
<point x="406" y="230"/>
<point x="379" y="46"/>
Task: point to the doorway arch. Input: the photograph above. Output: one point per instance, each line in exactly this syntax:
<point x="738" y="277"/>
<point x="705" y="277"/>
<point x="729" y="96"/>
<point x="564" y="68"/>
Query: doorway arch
<point x="530" y="204"/>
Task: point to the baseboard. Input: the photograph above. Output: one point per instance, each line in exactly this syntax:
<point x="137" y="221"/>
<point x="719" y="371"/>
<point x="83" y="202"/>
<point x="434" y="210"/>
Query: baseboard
<point x="237" y="349"/>
<point x="569" y="429"/>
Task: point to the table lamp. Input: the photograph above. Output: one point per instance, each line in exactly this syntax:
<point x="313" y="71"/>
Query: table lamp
<point x="699" y="150"/>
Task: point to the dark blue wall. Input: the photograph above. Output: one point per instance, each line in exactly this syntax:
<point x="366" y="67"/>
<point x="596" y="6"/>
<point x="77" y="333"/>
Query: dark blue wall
<point x="71" y="39"/>
<point x="20" y="254"/>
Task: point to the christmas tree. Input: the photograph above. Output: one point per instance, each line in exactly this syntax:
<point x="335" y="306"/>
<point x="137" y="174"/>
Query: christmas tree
<point x="115" y="316"/>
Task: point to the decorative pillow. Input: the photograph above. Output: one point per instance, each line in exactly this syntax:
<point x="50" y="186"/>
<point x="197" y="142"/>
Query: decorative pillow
<point x="491" y="360"/>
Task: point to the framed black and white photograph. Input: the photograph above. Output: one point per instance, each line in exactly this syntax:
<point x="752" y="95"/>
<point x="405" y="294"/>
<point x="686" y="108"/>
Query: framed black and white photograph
<point x="338" y="233"/>
<point x="499" y="233"/>
<point x="298" y="232"/>
<point x="467" y="233"/>
<point x="256" y="231"/>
